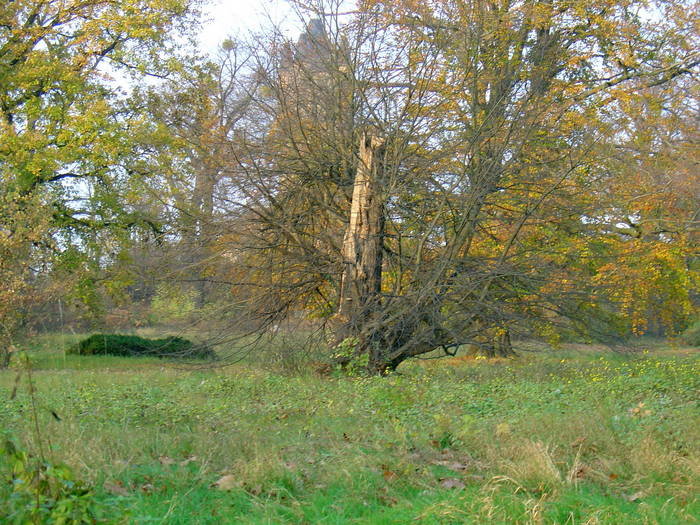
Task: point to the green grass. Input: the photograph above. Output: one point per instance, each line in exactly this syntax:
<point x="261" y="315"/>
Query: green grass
<point x="577" y="436"/>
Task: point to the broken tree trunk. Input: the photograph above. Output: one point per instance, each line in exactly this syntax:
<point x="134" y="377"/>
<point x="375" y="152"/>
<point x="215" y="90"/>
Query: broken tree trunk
<point x="361" y="280"/>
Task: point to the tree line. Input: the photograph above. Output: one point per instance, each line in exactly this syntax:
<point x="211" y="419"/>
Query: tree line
<point x="404" y="177"/>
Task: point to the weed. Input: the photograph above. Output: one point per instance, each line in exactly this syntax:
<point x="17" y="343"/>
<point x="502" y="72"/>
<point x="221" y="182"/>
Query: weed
<point x="583" y="437"/>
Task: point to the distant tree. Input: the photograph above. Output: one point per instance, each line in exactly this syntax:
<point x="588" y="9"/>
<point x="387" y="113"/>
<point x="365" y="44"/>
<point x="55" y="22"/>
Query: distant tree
<point x="196" y="118"/>
<point x="651" y="209"/>
<point x="65" y="128"/>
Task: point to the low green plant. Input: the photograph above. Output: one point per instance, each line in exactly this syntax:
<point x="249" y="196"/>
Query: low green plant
<point x="346" y="353"/>
<point x="42" y="492"/>
<point x="133" y="345"/>
<point x="692" y="334"/>
<point x="578" y="434"/>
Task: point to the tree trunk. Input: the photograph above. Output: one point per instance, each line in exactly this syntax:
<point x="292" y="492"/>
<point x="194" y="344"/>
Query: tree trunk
<point x="363" y="244"/>
<point x="502" y="345"/>
<point x="5" y="357"/>
<point x="6" y="351"/>
<point x="197" y="233"/>
<point x="493" y="343"/>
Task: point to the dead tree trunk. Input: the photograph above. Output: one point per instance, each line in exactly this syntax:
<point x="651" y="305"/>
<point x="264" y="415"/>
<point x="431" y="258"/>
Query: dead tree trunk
<point x="363" y="244"/>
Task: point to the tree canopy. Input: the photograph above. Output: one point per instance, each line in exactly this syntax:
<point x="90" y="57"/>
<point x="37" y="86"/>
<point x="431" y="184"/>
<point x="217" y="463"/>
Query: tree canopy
<point x="67" y="129"/>
<point x="405" y="176"/>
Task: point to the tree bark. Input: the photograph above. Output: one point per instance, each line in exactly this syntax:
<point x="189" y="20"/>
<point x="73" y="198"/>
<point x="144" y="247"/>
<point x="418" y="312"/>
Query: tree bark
<point x="502" y="346"/>
<point x="363" y="244"/>
<point x="5" y="357"/>
<point x="198" y="231"/>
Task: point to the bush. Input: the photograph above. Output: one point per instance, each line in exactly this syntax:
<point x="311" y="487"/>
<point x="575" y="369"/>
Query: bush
<point x="133" y="345"/>
<point x="43" y="492"/>
<point x="692" y="335"/>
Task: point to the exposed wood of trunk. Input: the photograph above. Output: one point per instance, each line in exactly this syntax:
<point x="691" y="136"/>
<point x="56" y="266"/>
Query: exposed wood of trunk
<point x="363" y="244"/>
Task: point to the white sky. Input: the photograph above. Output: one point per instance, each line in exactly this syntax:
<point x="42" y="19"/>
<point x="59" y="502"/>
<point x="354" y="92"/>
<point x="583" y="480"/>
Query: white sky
<point x="225" y="18"/>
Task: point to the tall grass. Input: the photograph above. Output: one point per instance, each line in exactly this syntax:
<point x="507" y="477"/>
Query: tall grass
<point x="576" y="437"/>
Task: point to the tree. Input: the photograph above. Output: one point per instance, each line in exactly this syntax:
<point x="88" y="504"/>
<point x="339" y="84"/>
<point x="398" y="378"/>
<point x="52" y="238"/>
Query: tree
<point x="651" y="212"/>
<point x="65" y="129"/>
<point x="196" y="118"/>
<point x="423" y="175"/>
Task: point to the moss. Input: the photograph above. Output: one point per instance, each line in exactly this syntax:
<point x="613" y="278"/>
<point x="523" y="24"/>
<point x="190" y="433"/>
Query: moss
<point x="133" y="345"/>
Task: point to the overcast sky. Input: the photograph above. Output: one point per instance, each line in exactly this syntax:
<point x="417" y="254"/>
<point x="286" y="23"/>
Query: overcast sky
<point x="230" y="17"/>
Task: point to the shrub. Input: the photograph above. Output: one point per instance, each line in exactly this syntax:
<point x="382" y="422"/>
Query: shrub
<point x="42" y="492"/>
<point x="133" y="345"/>
<point x="692" y="335"/>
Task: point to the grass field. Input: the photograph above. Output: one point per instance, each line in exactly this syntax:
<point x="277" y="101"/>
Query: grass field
<point x="570" y="437"/>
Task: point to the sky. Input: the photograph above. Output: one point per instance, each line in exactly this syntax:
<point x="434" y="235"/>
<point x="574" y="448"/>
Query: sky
<point x="230" y="17"/>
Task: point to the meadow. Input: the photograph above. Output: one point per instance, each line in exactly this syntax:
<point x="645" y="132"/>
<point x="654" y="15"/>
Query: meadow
<point x="580" y="435"/>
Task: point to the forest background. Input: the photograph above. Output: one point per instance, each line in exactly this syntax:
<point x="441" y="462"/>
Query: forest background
<point x="399" y="179"/>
